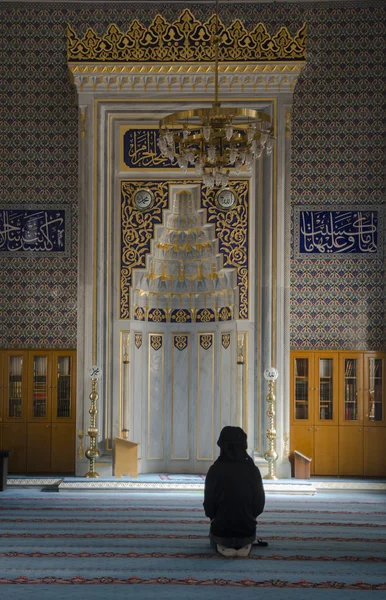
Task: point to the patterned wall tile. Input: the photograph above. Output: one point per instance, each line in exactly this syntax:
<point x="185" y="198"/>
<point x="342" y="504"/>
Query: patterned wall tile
<point x="337" y="157"/>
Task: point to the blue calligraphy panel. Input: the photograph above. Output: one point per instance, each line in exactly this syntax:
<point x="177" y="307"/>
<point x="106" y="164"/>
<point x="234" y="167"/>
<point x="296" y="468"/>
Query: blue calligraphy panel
<point x="140" y="150"/>
<point x="44" y="230"/>
<point x="338" y="232"/>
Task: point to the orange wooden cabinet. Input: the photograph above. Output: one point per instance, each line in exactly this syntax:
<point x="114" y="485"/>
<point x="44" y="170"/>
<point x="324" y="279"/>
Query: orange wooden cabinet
<point x="50" y="448"/>
<point x="14" y="440"/>
<point x="51" y="412"/>
<point x="51" y="389"/>
<point x="362" y="431"/>
<point x="13" y="407"/>
<point x="338" y="411"/>
<point x="314" y="409"/>
<point x="37" y="410"/>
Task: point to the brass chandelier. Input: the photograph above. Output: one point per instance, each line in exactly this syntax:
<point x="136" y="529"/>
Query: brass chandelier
<point x="217" y="139"/>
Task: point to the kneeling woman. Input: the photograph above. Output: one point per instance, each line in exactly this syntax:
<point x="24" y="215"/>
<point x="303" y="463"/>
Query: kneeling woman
<point x="234" y="496"/>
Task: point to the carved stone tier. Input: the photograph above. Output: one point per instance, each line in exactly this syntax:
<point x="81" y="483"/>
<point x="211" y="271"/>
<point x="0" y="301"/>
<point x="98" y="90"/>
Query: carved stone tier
<point x="185" y="269"/>
<point x="195" y="80"/>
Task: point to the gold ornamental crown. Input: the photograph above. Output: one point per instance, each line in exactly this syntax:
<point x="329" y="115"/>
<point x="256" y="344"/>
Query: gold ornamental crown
<point x="186" y="40"/>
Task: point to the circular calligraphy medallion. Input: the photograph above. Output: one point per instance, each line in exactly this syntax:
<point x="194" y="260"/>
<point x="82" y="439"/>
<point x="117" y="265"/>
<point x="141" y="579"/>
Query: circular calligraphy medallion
<point x="95" y="372"/>
<point x="225" y="199"/>
<point x="143" y="199"/>
<point x="271" y="374"/>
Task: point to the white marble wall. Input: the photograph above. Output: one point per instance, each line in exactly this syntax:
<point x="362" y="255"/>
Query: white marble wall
<point x="183" y="391"/>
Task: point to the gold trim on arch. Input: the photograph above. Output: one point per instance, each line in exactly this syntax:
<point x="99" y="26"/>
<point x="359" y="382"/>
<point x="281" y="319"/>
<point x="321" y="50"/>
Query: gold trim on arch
<point x="205" y="348"/>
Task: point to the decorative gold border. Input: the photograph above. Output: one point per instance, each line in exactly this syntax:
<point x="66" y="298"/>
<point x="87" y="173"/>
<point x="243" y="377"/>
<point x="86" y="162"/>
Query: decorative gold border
<point x="162" y="348"/>
<point x="258" y="316"/>
<point x="198" y="403"/>
<point x="224" y="349"/>
<point x="166" y="69"/>
<point x="245" y="378"/>
<point x="187" y="348"/>
<point x="185" y="40"/>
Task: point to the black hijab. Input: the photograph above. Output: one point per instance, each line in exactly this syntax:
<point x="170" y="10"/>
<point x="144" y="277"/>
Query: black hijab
<point x="233" y="445"/>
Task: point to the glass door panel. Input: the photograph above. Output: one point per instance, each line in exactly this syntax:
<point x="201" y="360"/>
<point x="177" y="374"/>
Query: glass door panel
<point x="62" y="388"/>
<point x="326" y="389"/>
<point x="302" y="387"/>
<point x="374" y="393"/>
<point x="351" y="388"/>
<point x="14" y="388"/>
<point x="40" y="387"/>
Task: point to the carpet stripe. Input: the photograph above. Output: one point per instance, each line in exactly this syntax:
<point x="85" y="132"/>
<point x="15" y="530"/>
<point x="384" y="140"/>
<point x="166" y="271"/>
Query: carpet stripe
<point x="176" y="537"/>
<point x="270" y="557"/>
<point x="173" y="510"/>
<point x="175" y="521"/>
<point x="191" y="581"/>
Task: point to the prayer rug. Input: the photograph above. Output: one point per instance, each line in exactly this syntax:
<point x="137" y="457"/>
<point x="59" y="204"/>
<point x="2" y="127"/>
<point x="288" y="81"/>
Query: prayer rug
<point x="155" y="545"/>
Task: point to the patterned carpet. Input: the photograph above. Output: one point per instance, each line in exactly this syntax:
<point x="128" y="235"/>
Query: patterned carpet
<point x="100" y="543"/>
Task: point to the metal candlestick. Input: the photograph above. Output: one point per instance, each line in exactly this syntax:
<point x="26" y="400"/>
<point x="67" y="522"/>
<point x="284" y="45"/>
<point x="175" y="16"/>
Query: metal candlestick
<point x="271" y="455"/>
<point x="92" y="453"/>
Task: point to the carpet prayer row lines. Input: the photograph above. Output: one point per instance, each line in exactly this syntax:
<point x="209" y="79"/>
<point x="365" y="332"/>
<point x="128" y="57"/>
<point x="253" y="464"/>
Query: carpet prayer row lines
<point x="270" y="557"/>
<point x="243" y="583"/>
<point x="171" y="536"/>
<point x="193" y="510"/>
<point x="140" y="521"/>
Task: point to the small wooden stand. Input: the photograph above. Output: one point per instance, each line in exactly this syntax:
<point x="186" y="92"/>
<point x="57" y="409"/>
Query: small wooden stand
<point x="125" y="460"/>
<point x="302" y="465"/>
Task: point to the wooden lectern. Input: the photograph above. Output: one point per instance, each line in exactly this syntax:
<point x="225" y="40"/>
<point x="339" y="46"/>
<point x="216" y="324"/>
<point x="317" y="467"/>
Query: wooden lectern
<point x="125" y="460"/>
<point x="302" y="465"/>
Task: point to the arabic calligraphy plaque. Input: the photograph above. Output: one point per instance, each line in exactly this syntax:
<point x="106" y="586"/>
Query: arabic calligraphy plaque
<point x="43" y="229"/>
<point x="338" y="232"/>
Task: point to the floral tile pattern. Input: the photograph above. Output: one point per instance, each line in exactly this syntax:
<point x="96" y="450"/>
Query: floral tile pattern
<point x="337" y="158"/>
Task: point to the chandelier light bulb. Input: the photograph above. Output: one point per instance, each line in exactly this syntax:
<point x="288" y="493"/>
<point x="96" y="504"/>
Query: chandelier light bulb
<point x="211" y="154"/>
<point x="162" y="144"/>
<point x="238" y="166"/>
<point x="251" y="133"/>
<point x="248" y="160"/>
<point x="169" y="137"/>
<point x="259" y="150"/>
<point x="206" y="131"/>
<point x="224" y="180"/>
<point x="198" y="169"/>
<point x="229" y="131"/>
<point x="232" y="155"/>
<point x="218" y="178"/>
<point x="269" y="146"/>
<point x="190" y="154"/>
<point x="185" y="133"/>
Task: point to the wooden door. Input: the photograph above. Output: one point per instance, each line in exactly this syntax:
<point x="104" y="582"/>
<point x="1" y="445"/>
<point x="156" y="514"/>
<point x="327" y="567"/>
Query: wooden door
<point x="302" y="388"/>
<point x="39" y="387"/>
<point x="14" y="386"/>
<point x="350" y="450"/>
<point x="63" y="386"/>
<point x="375" y="451"/>
<point x="302" y="440"/>
<point x="351" y="389"/>
<point x="15" y="440"/>
<point x="39" y="448"/>
<point x="326" y="450"/>
<point x="63" y="448"/>
<point x="374" y="389"/>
